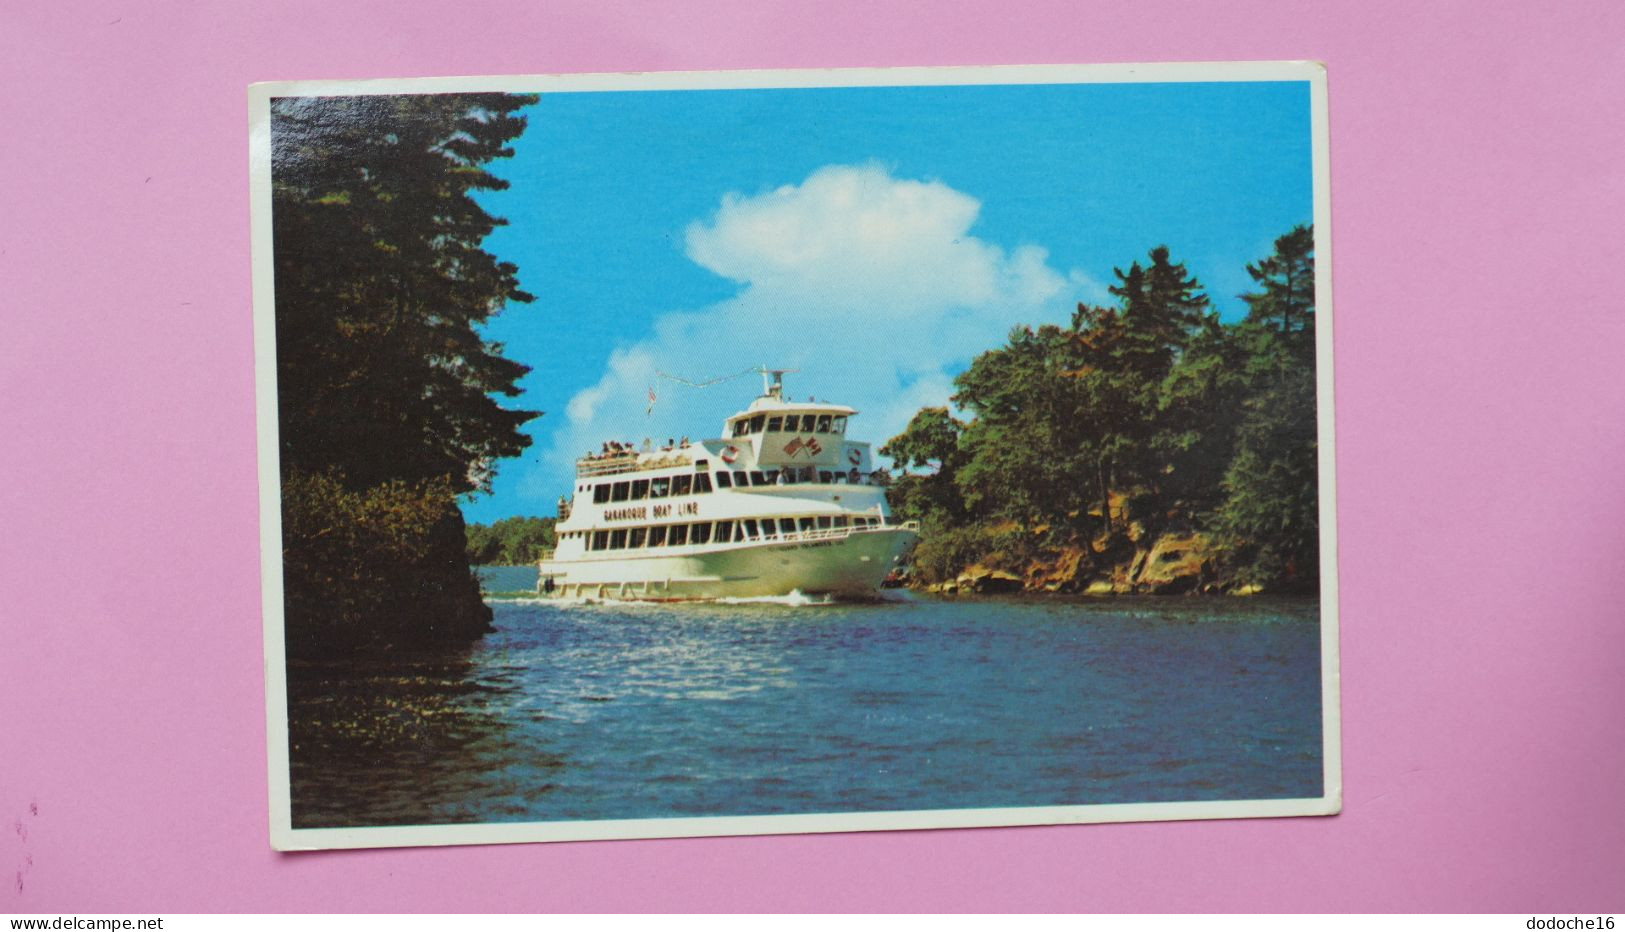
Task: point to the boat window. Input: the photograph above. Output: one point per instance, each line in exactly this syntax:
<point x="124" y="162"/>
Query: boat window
<point x="621" y="491"/>
<point x="775" y="424"/>
<point x="640" y="489"/>
<point x="702" y="483"/>
<point x="678" y="535"/>
<point x="807" y="524"/>
<point x="680" y="485"/>
<point x="787" y="525"/>
<point x="757" y="477"/>
<point x="600" y="493"/>
<point x="660" y="488"/>
<point x="840" y="521"/>
<point x="724" y="480"/>
<point x="823" y="423"/>
<point x="637" y="537"/>
<point x="725" y="531"/>
<point x="748" y="529"/>
<point x="823" y="523"/>
<point x="742" y="427"/>
<point x="700" y="533"/>
<point x="770" y="529"/>
<point x="825" y="476"/>
<point x="757" y="422"/>
<point x="839" y="425"/>
<point x="701" y="464"/>
<point x="657" y="536"/>
<point x="600" y="540"/>
<point x="617" y="539"/>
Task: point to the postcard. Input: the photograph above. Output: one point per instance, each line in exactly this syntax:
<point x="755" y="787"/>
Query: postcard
<point x="727" y="453"/>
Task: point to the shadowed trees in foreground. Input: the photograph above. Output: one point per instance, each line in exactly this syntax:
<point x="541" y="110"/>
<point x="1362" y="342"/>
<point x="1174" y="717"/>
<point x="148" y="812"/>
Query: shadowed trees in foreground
<point x="386" y="391"/>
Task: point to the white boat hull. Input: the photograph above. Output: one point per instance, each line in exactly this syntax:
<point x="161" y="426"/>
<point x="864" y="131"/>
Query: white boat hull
<point x="853" y="564"/>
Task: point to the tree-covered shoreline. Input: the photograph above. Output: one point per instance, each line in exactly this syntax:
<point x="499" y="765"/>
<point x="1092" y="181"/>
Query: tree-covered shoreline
<point x="1145" y="447"/>
<point x="515" y="541"/>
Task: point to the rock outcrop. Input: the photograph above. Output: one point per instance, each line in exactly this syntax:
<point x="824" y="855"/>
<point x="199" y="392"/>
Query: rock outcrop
<point x="1169" y="564"/>
<point x="984" y="579"/>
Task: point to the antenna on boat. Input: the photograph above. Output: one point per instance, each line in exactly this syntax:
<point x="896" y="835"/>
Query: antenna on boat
<point x="774" y="389"/>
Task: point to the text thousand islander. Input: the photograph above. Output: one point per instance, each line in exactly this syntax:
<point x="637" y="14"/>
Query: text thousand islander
<point x="781" y="503"/>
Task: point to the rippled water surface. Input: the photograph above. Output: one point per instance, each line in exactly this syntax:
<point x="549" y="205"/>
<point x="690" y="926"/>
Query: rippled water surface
<point x="639" y="711"/>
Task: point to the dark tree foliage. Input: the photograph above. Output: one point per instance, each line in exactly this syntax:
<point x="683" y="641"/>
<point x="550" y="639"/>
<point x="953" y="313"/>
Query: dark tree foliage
<point x="929" y="452"/>
<point x="1271" y="514"/>
<point x="380" y="567"/>
<point x="1144" y="417"/>
<point x="381" y="282"/>
<point x="383" y="379"/>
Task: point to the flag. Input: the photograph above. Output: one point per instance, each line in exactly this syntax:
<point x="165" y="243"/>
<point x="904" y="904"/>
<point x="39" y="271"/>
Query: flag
<point x="791" y="447"/>
<point x="651" y="408"/>
<point x="812" y="444"/>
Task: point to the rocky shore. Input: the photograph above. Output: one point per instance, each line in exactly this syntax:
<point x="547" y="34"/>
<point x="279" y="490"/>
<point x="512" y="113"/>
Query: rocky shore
<point x="1168" y="564"/>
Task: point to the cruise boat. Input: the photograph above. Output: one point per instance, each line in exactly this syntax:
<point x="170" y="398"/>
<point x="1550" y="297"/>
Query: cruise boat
<point x="781" y="503"/>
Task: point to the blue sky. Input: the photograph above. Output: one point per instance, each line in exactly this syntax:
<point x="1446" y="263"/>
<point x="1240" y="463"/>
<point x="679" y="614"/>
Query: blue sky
<point x="877" y="238"/>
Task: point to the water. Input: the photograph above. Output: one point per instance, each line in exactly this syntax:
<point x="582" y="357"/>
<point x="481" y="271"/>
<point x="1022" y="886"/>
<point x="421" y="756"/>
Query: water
<point x="639" y="711"/>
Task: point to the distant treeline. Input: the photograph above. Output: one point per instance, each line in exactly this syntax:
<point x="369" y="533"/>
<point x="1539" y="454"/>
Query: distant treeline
<point x="509" y="542"/>
<point x="386" y="391"/>
<point x="1143" y="418"/>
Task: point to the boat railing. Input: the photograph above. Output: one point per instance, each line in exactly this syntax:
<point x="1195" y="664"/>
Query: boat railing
<point x="827" y="533"/>
<point x="547" y="554"/>
<point x="626" y="462"/>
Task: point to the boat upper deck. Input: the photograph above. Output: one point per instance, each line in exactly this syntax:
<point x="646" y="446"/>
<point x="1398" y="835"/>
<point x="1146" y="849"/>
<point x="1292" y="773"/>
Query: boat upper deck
<point x="609" y="464"/>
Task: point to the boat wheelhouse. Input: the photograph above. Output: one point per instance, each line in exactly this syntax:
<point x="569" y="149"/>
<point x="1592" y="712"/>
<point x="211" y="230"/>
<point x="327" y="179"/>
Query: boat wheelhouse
<point x="782" y="502"/>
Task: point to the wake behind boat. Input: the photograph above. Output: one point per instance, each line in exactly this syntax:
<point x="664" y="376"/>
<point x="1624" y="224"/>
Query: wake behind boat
<point x="782" y="502"/>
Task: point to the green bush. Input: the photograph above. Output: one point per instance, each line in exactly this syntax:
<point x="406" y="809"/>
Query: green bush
<point x="377" y="567"/>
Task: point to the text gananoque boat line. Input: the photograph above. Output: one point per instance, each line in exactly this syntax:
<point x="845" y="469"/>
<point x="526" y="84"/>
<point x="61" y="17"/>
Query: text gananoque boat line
<point x="782" y="502"/>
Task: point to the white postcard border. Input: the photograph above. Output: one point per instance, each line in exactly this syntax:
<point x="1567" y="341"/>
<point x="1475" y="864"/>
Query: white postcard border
<point x="285" y="837"/>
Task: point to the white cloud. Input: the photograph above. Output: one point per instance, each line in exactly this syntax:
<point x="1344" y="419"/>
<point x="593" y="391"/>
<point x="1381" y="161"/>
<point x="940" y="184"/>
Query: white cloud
<point x="871" y="285"/>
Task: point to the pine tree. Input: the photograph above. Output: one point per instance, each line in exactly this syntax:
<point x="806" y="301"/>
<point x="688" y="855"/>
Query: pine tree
<point x="1270" y="516"/>
<point x="1163" y="311"/>
<point x="384" y="382"/>
<point x="381" y="283"/>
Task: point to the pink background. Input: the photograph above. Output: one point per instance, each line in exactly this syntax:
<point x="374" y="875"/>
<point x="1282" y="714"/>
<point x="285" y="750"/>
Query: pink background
<point x="1478" y="192"/>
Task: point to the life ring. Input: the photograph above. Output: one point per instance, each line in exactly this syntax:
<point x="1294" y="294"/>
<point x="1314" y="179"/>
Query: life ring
<point x="729" y="454"/>
<point x="854" y="457"/>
